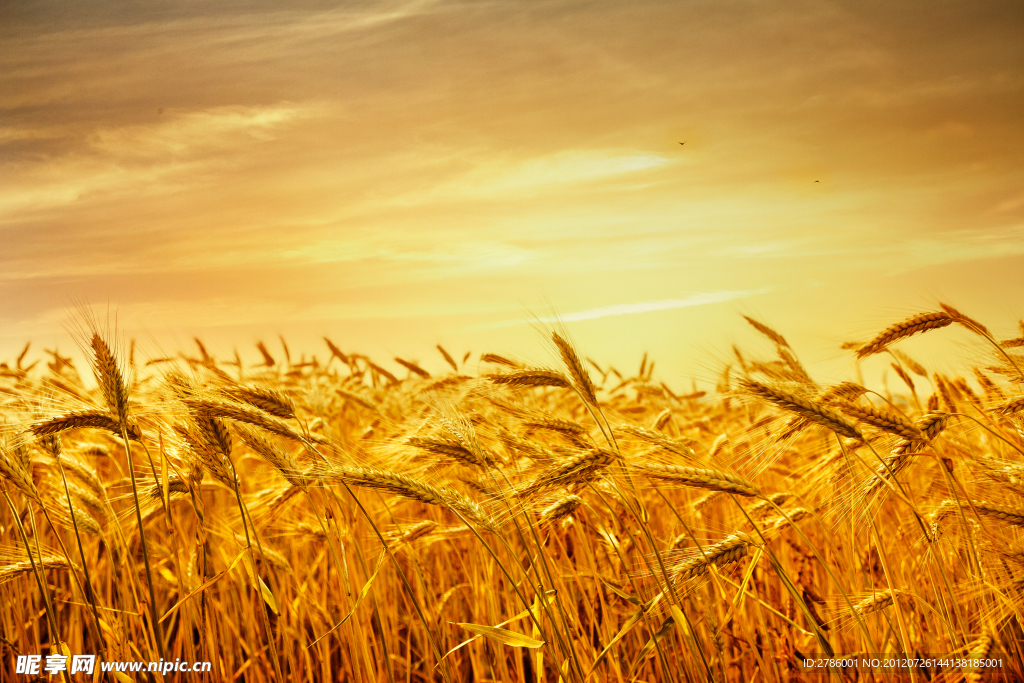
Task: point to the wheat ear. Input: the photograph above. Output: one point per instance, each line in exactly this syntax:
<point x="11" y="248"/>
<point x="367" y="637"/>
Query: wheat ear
<point x="725" y="552"/>
<point x="713" y="480"/>
<point x="407" y="487"/>
<point x="531" y="378"/>
<point x="804" y="408"/>
<point x="269" y="401"/>
<point x="909" y="327"/>
<point x="77" y="419"/>
<point x="893" y="423"/>
<point x="14" y="562"/>
<point x="578" y="372"/>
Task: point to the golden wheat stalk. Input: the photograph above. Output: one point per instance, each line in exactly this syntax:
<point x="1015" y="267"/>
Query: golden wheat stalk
<point x="577" y="471"/>
<point x="804" y="407"/>
<point x="15" y="561"/>
<point x="357" y="399"/>
<point x="83" y="474"/>
<point x="893" y="423"/>
<point x="215" y="434"/>
<point x="1010" y="476"/>
<point x="900" y="457"/>
<point x="903" y="375"/>
<point x="517" y="445"/>
<point x="713" y="480"/>
<point x="560" y="509"/>
<point x="911" y="364"/>
<point x="174" y="485"/>
<point x="269" y="503"/>
<point x="465" y="435"/>
<point x="878" y="601"/>
<point x="69" y="514"/>
<point x="531" y="378"/>
<point x="382" y="372"/>
<point x="907" y="328"/>
<point x="110" y="379"/>
<point x="498" y="360"/>
<point x="270" y="401"/>
<point x="95" y="505"/>
<point x="676" y="446"/>
<point x="413" y="368"/>
<point x="968" y="322"/>
<point x="407" y="487"/>
<point x="775" y="526"/>
<point x="556" y="424"/>
<point x="727" y="551"/>
<point x="768" y="332"/>
<point x="1000" y="512"/>
<point x="932" y="424"/>
<point x="703" y="502"/>
<point x="845" y="391"/>
<point x="938" y="516"/>
<point x="448" y="382"/>
<point x="946" y="393"/>
<point x="768" y="505"/>
<point x="981" y="652"/>
<point x="447" y="447"/>
<point x="578" y="372"/>
<point x="335" y="352"/>
<point x="1014" y="405"/>
<point x="204" y="453"/>
<point x="413" y="533"/>
<point x="241" y="413"/>
<point x="16" y="468"/>
<point x="78" y="419"/>
<point x="280" y="460"/>
<point x="448" y="358"/>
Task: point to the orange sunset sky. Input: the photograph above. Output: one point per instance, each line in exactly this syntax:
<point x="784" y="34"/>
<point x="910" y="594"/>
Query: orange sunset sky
<point x="400" y="174"/>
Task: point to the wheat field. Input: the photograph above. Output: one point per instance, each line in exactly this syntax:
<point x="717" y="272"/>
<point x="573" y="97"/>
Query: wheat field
<point x="330" y="519"/>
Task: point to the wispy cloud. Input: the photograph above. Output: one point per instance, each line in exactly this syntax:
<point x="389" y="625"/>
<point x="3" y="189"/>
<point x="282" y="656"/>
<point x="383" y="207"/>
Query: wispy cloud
<point x="699" y="299"/>
<point x="178" y="150"/>
<point x="958" y="245"/>
<point x="496" y="178"/>
<point x="661" y="305"/>
<point x="190" y="133"/>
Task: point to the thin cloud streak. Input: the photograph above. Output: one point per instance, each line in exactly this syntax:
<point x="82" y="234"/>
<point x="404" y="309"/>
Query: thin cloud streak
<point x="663" y="305"/>
<point x="635" y="308"/>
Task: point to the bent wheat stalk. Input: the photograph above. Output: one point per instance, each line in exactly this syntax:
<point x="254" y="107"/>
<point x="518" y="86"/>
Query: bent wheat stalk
<point x="725" y="552"/>
<point x="804" y="407"/>
<point x="407" y="487"/>
<point x="579" y="470"/>
<point x="893" y="423"/>
<point x="15" y="562"/>
<point x="78" y="419"/>
<point x="713" y="480"/>
<point x="907" y="328"/>
<point x="531" y="378"/>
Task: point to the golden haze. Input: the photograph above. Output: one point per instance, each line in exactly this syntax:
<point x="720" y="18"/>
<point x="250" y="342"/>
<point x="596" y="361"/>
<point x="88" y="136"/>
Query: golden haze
<point x="398" y="174"/>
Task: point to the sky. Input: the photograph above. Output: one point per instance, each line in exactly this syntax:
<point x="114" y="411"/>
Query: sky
<point x="396" y="175"/>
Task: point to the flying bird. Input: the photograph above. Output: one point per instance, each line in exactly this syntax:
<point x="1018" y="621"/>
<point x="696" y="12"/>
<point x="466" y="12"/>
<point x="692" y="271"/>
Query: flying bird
<point x="682" y="143"/>
<point x="817" y="181"/>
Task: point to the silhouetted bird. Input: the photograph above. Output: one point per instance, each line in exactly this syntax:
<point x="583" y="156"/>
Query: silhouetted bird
<point x="817" y="181"/>
<point x="682" y="143"/>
